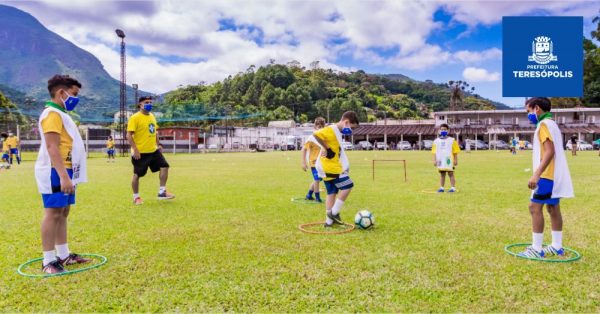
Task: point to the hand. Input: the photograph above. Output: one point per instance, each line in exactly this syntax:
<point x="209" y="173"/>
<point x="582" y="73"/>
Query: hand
<point x="160" y="148"/>
<point x="330" y="153"/>
<point x="435" y="163"/>
<point x="136" y="154"/>
<point x="455" y="163"/>
<point x="66" y="185"/>
<point x="533" y="181"/>
<point x="304" y="167"/>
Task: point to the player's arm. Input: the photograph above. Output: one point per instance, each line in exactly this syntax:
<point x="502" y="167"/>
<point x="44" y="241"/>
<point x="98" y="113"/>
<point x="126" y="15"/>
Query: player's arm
<point x="328" y="152"/>
<point x="52" y="143"/>
<point x="136" y="152"/>
<point x="304" y="165"/>
<point x="455" y="150"/>
<point x="546" y="159"/>
<point x="158" y="142"/>
<point x="433" y="151"/>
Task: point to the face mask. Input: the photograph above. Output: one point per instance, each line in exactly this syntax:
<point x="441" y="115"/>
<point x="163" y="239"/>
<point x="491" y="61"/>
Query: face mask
<point x="347" y="131"/>
<point x="532" y="118"/>
<point x="71" y="102"/>
<point x="148" y="107"/>
<point x="443" y="133"/>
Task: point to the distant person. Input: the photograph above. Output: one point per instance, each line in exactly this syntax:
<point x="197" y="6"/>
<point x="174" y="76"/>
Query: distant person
<point x="110" y="149"/>
<point x="573" y="145"/>
<point x="550" y="181"/>
<point x="445" y="157"/>
<point x="513" y="145"/>
<point x="310" y="153"/>
<point x="60" y="167"/>
<point x="14" y="144"/>
<point x="333" y="165"/>
<point x="5" y="151"/>
<point x="146" y="150"/>
<point x="521" y="145"/>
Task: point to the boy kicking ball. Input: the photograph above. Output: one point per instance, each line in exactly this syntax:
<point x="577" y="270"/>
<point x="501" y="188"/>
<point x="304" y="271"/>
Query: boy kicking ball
<point x="333" y="165"/>
<point x="313" y="149"/>
<point x="550" y="182"/>
<point x="445" y="157"/>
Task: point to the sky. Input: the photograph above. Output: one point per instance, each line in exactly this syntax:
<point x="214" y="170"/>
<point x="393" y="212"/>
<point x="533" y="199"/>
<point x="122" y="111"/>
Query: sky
<point x="175" y="43"/>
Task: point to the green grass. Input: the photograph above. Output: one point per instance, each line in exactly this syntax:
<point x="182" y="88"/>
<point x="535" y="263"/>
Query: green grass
<point x="229" y="241"/>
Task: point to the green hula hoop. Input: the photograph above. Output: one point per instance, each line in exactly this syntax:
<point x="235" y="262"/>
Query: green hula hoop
<point x="103" y="261"/>
<point x="576" y="255"/>
<point x="301" y="200"/>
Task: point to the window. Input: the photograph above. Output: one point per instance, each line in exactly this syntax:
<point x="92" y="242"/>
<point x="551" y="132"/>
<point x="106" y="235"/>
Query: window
<point x="441" y="118"/>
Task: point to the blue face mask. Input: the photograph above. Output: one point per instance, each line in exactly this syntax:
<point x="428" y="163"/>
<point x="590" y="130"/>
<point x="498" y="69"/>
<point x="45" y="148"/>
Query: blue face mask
<point x="71" y="102"/>
<point x="443" y="133"/>
<point x="148" y="107"/>
<point x="347" y="131"/>
<point x="532" y="118"/>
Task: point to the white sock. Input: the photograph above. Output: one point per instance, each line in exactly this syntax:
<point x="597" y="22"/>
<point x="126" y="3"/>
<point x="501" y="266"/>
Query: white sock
<point x="162" y="189"/>
<point x="441" y="187"/>
<point x="557" y="239"/>
<point x="328" y="220"/>
<point x="337" y="206"/>
<point x="49" y="257"/>
<point x="136" y="195"/>
<point x="538" y="239"/>
<point x="62" y="251"/>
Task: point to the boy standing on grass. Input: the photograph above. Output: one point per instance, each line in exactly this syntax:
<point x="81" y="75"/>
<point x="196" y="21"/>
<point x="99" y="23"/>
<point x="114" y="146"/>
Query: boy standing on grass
<point x="313" y="149"/>
<point x="333" y="165"/>
<point x="60" y="167"/>
<point x="5" y="151"/>
<point x="445" y="157"/>
<point x="110" y="149"/>
<point x="146" y="149"/>
<point x="13" y="146"/>
<point x="551" y="179"/>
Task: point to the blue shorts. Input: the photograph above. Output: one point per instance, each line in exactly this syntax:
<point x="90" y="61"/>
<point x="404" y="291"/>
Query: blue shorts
<point x="543" y="193"/>
<point x="14" y="151"/>
<point x="58" y="199"/>
<point x="5" y="156"/>
<point x="337" y="184"/>
<point x="315" y="174"/>
<point x="111" y="152"/>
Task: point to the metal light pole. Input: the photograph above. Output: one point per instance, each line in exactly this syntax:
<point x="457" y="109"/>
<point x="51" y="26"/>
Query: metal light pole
<point x="123" y="97"/>
<point x="135" y="94"/>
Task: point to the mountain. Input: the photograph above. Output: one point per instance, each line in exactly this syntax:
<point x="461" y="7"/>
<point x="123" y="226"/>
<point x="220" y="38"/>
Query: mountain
<point x="30" y="54"/>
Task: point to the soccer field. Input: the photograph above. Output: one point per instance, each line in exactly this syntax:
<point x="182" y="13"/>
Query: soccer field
<point x="230" y="240"/>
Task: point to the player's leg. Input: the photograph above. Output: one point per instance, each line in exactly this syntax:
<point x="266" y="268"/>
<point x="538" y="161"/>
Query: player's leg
<point x="50" y="221"/>
<point x="18" y="156"/>
<point x="556" y="248"/>
<point x="135" y="186"/>
<point x="311" y="188"/>
<point x="330" y="201"/>
<point x="62" y="248"/>
<point x="452" y="181"/>
<point x="442" y="181"/>
<point x="537" y="222"/>
<point x="160" y="164"/>
<point x="344" y="185"/>
<point x="317" y="191"/>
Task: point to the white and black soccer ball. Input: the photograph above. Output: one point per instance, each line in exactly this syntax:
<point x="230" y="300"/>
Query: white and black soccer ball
<point x="364" y="219"/>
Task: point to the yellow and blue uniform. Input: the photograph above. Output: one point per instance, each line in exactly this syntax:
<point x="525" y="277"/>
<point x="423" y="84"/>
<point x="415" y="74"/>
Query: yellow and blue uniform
<point x="5" y="148"/>
<point x="110" y="147"/>
<point x="334" y="180"/>
<point x="543" y="192"/>
<point x="53" y="124"/>
<point x="313" y="153"/>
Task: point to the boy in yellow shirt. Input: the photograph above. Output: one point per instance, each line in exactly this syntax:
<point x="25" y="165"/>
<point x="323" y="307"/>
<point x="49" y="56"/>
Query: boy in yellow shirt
<point x="333" y="165"/>
<point x="13" y="147"/>
<point x="5" y="151"/>
<point x="313" y="149"/>
<point x="147" y="152"/>
<point x="445" y="157"/>
<point x="110" y="149"/>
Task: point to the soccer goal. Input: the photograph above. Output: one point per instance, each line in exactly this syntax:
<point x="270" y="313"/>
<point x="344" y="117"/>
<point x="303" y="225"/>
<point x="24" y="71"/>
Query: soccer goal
<point x="403" y="161"/>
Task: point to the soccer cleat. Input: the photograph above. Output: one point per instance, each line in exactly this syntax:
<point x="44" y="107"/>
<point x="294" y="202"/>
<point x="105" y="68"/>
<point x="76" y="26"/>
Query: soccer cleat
<point x="326" y="225"/>
<point x="53" y="268"/>
<point x="73" y="259"/>
<point x="531" y="253"/>
<point x="309" y="198"/>
<point x="452" y="190"/>
<point x="138" y="201"/>
<point x="336" y="218"/>
<point x="165" y="196"/>
<point x="549" y="250"/>
<point x="440" y="190"/>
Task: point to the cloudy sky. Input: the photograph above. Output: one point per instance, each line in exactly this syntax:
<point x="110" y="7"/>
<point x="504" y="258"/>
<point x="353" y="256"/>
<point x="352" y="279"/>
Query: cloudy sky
<point x="172" y="43"/>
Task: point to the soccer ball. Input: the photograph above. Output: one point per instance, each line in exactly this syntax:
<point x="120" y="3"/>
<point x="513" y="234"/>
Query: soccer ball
<point x="364" y="219"/>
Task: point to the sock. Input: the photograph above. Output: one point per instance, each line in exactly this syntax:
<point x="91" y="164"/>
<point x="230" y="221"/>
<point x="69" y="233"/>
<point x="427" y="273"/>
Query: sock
<point x="337" y="206"/>
<point x="162" y="189"/>
<point x="310" y="193"/>
<point x="441" y="187"/>
<point x="328" y="220"/>
<point x="318" y="196"/>
<point x="557" y="239"/>
<point x="538" y="239"/>
<point x="135" y="195"/>
<point x="18" y="160"/>
<point x="10" y="161"/>
<point x="49" y="257"/>
<point x="62" y="250"/>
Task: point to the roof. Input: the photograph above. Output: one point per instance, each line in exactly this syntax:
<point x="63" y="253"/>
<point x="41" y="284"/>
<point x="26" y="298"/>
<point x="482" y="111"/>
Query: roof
<point x="397" y="130"/>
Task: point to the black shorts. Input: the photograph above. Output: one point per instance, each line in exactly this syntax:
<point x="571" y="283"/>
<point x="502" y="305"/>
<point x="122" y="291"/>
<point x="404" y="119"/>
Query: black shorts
<point x="154" y="161"/>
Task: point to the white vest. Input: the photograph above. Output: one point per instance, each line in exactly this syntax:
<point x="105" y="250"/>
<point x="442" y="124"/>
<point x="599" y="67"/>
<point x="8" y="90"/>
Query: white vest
<point x="443" y="153"/>
<point x="43" y="164"/>
<point x="563" y="187"/>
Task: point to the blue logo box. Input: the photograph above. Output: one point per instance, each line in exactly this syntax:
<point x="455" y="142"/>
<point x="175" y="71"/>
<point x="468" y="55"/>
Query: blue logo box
<point x="542" y="56"/>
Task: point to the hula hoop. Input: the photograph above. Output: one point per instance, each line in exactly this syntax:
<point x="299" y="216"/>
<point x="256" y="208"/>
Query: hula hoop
<point x="436" y="192"/>
<point x="302" y="200"/>
<point x="303" y="226"/>
<point x="576" y="254"/>
<point x="103" y="261"/>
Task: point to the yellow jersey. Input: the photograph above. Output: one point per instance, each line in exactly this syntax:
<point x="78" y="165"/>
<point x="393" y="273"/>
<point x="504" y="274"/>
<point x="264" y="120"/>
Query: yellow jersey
<point x="53" y="124"/>
<point x="110" y="144"/>
<point x="313" y="152"/>
<point x="333" y="165"/>
<point x="5" y="145"/>
<point x="544" y="135"/>
<point x="12" y="141"/>
<point x="144" y="128"/>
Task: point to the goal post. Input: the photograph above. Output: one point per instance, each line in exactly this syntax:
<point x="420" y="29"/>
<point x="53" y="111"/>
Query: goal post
<point x="403" y="161"/>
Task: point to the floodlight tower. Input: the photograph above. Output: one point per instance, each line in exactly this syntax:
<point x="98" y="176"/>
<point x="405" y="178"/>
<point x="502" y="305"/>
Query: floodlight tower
<point x="123" y="97"/>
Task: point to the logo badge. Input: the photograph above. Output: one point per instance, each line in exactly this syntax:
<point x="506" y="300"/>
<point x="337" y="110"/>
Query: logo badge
<point x="542" y="49"/>
<point x="151" y="128"/>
